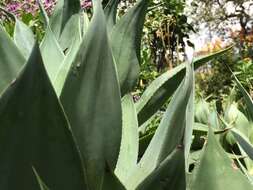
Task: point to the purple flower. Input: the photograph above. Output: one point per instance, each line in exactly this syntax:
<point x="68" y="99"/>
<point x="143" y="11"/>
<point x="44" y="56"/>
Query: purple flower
<point x="12" y="7"/>
<point x="86" y="4"/>
<point x="20" y="7"/>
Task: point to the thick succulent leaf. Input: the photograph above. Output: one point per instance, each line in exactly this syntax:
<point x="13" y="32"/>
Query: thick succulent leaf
<point x="41" y="184"/>
<point x="195" y="156"/>
<point x="70" y="8"/>
<point x="65" y="22"/>
<point x="244" y="142"/>
<point x="111" y="182"/>
<point x="125" y="40"/>
<point x="55" y="20"/>
<point x="189" y="123"/>
<point x="216" y="170"/>
<point x="84" y="22"/>
<point x="35" y="133"/>
<point x="11" y="60"/>
<point x="169" y="175"/>
<point x="91" y="99"/>
<point x="170" y="132"/>
<point x="23" y="38"/>
<point x="51" y="53"/>
<point x="203" y="128"/>
<point x="199" y="130"/>
<point x="246" y="96"/>
<point x="43" y="13"/>
<point x="62" y="73"/>
<point x="238" y="120"/>
<point x="130" y="140"/>
<point x="245" y="171"/>
<point x="159" y="91"/>
<point x="111" y="13"/>
<point x="63" y="11"/>
<point x="202" y="111"/>
<point x="71" y="31"/>
<point x="214" y="119"/>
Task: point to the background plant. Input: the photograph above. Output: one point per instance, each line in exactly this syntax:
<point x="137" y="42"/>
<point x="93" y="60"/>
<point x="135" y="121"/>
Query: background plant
<point x="80" y="127"/>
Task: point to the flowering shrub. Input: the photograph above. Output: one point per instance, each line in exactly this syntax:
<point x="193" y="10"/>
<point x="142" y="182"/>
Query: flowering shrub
<point x="20" y="7"/>
<point x="28" y="6"/>
<point x="28" y="12"/>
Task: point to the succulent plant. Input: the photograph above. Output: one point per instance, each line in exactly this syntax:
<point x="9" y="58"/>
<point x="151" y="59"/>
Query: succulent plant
<point x="68" y="120"/>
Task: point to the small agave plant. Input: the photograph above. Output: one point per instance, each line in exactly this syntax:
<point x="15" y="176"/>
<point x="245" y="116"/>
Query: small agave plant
<point x="235" y="125"/>
<point x="68" y="120"/>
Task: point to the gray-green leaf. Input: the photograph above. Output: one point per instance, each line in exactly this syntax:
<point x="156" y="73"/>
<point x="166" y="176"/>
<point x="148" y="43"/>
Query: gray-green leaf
<point x="35" y="133"/>
<point x="91" y="99"/>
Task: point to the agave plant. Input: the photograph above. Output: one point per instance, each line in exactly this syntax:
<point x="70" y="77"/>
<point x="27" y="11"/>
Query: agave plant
<point x="68" y="120"/>
<point x="235" y="125"/>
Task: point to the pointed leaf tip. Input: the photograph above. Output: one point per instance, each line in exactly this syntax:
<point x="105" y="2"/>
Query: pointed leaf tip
<point x="219" y="171"/>
<point x="35" y="132"/>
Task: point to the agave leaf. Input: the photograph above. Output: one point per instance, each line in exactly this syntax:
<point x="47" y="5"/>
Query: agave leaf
<point x="195" y="156"/>
<point x="71" y="31"/>
<point x="243" y="142"/>
<point x="84" y="23"/>
<point x="62" y="73"/>
<point x="51" y="53"/>
<point x="189" y="123"/>
<point x="250" y="177"/>
<point x="199" y="129"/>
<point x="170" y="174"/>
<point x="70" y="8"/>
<point x="91" y="99"/>
<point x="11" y="60"/>
<point x="44" y="14"/>
<point x="202" y="111"/>
<point x="246" y="96"/>
<point x="35" y="132"/>
<point x="171" y="129"/>
<point x="111" y="13"/>
<point x="170" y="132"/>
<point x="125" y="40"/>
<point x="129" y="143"/>
<point x="63" y="11"/>
<point x="159" y="91"/>
<point x="40" y="182"/>
<point x="55" y="20"/>
<point x="238" y="120"/>
<point x="213" y="119"/>
<point x="111" y="182"/>
<point x="203" y="128"/>
<point x="23" y="38"/>
<point x="216" y="170"/>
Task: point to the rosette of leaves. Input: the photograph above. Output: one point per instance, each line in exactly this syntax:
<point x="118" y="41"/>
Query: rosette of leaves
<point x="67" y="118"/>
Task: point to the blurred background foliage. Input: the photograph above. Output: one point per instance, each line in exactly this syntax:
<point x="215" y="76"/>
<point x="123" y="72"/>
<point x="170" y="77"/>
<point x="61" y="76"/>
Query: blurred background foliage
<point x="165" y="32"/>
<point x="228" y="21"/>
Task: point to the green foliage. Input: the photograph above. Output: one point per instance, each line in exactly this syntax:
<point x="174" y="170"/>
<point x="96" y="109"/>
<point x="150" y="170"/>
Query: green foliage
<point x="68" y="120"/>
<point x="165" y="28"/>
<point x="237" y="127"/>
<point x="215" y="79"/>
